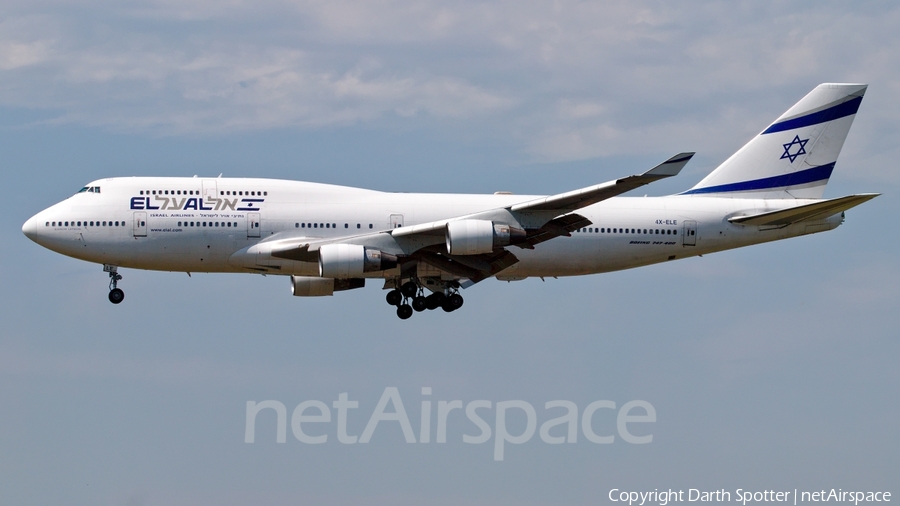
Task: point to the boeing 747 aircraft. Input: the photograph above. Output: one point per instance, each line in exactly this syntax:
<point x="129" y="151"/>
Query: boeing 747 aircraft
<point x="331" y="238"/>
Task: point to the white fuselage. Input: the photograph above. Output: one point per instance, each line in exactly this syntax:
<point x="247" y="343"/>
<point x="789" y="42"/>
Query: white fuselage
<point x="198" y="225"/>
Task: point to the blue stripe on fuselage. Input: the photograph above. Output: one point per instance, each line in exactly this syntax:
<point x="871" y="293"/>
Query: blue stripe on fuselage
<point x="822" y="172"/>
<point x="832" y="113"/>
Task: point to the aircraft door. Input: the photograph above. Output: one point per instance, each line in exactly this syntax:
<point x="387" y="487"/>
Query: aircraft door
<point x="253" y="224"/>
<point x="210" y="191"/>
<point x="140" y="224"/>
<point x="690" y="233"/>
<point x="396" y="220"/>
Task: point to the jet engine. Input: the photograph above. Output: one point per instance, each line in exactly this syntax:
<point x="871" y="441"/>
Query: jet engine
<point x="473" y="237"/>
<point x="342" y="261"/>
<point x="305" y="286"/>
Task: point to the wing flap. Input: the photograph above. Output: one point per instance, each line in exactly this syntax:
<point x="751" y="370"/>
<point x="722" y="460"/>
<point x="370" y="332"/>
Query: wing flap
<point x="473" y="267"/>
<point x="563" y="225"/>
<point x="805" y="212"/>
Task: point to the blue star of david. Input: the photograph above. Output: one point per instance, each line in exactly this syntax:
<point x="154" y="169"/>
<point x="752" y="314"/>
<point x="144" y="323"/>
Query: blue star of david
<point x="787" y="148"/>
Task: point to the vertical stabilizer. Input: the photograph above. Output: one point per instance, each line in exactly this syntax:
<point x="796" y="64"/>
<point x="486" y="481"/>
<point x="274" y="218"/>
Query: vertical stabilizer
<point x="795" y="155"/>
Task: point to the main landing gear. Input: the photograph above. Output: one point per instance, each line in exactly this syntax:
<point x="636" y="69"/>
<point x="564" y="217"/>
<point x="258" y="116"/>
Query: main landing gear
<point x="116" y="295"/>
<point x="410" y="297"/>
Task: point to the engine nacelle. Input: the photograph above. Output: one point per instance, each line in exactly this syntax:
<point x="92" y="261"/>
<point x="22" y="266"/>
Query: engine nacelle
<point x="342" y="261"/>
<point x="305" y="286"/>
<point x="474" y="237"/>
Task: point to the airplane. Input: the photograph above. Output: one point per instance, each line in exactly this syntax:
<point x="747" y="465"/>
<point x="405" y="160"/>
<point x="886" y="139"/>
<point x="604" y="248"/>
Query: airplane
<point x="426" y="248"/>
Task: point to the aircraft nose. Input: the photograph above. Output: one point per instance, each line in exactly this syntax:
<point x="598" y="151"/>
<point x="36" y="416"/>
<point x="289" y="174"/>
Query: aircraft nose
<point x="30" y="228"/>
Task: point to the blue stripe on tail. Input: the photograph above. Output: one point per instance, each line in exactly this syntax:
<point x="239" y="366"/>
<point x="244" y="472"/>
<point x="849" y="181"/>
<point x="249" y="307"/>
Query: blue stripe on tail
<point x="832" y="113"/>
<point x="820" y="173"/>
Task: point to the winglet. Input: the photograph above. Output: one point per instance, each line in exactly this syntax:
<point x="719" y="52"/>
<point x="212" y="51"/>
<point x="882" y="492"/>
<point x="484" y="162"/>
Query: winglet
<point x="672" y="166"/>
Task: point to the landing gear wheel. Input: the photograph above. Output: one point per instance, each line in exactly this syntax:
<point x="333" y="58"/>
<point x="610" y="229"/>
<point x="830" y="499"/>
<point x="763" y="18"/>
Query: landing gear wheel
<point x="409" y="289"/>
<point x="418" y="303"/>
<point x="455" y="301"/>
<point x="116" y="295"/>
<point x="434" y="300"/>
<point x="404" y="311"/>
<point x="394" y="297"/>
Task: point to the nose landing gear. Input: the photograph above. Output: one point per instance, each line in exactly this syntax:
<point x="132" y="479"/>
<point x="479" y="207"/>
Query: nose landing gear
<point x="116" y="295"/>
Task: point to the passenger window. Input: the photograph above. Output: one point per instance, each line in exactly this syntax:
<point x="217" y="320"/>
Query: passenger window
<point x="358" y="225"/>
<point x="265" y="193"/>
<point x="370" y="225"/>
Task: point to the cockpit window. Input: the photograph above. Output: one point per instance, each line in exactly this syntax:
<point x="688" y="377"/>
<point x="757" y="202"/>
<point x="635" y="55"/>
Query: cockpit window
<point x="90" y="189"/>
<point x="83" y="189"/>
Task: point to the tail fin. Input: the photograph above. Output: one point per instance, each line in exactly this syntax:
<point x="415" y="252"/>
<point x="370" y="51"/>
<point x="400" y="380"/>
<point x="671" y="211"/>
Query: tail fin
<point x="794" y="157"/>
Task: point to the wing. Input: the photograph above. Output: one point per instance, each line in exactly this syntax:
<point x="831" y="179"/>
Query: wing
<point x="584" y="197"/>
<point x="541" y="211"/>
<point x="535" y="221"/>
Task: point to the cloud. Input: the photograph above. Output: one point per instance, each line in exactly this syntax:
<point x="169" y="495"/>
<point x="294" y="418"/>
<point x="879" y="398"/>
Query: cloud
<point x="563" y="80"/>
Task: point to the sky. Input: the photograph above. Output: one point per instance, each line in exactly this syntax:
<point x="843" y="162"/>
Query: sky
<point x="768" y="367"/>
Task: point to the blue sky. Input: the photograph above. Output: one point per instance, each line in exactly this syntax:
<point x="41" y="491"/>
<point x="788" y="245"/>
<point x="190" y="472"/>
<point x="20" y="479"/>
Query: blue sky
<point x="769" y="367"/>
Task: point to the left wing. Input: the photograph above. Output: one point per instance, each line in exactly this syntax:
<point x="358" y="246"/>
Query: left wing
<point x="535" y="221"/>
<point x="539" y="212"/>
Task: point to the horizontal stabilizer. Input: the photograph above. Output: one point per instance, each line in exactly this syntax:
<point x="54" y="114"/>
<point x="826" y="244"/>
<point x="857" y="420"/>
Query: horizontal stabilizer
<point x="815" y="210"/>
<point x="576" y="199"/>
